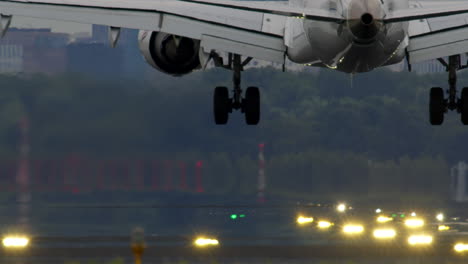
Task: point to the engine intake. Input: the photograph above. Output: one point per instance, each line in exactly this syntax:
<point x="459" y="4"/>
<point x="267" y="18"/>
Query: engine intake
<point x="168" y="53"/>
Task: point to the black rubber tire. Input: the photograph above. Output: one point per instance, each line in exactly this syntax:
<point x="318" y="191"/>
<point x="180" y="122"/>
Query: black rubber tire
<point x="464" y="106"/>
<point x="436" y="106"/>
<point x="251" y="106"/>
<point x="221" y="105"/>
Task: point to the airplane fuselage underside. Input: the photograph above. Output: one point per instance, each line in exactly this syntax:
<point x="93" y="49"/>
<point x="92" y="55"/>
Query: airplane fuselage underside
<point x="361" y="44"/>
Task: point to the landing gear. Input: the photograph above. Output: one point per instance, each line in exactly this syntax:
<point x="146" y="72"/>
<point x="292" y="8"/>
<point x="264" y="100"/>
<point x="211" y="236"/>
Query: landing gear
<point x="224" y="105"/>
<point x="438" y="105"/>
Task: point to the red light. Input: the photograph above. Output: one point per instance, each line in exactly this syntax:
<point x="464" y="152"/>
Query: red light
<point x="261" y="146"/>
<point x="199" y="164"/>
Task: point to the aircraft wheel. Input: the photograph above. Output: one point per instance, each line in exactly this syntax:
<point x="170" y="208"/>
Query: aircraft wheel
<point x="436" y="106"/>
<point x="251" y="106"/>
<point x="222" y="105"/>
<point x="464" y="106"/>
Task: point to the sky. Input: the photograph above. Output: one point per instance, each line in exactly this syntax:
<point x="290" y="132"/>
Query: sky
<point x="62" y="27"/>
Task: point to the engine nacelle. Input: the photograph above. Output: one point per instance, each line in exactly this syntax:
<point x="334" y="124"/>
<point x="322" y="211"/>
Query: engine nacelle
<point x="168" y="53"/>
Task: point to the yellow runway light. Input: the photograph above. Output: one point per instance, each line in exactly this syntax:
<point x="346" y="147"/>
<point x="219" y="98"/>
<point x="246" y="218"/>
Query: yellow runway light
<point x="388" y="233"/>
<point x="324" y="224"/>
<point x="443" y="228"/>
<point x="420" y="240"/>
<point x="302" y="220"/>
<point x="15" y="242"/>
<point x="384" y="219"/>
<point x="352" y="229"/>
<point x="204" y="242"/>
<point x="460" y="247"/>
<point x="414" y="223"/>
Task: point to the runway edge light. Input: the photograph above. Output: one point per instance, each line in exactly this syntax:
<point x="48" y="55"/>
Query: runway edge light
<point x="386" y="233"/>
<point x="303" y="220"/>
<point x="460" y="247"/>
<point x="420" y="240"/>
<point x="205" y="242"/>
<point x="15" y="242"/>
<point x="353" y="229"/>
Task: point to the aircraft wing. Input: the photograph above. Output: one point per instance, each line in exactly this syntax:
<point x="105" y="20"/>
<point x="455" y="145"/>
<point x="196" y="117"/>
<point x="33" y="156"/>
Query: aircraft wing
<point x="437" y="34"/>
<point x="251" y="29"/>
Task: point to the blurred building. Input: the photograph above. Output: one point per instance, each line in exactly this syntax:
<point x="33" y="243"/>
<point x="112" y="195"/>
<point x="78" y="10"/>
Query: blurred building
<point x="432" y="66"/>
<point x="43" y="51"/>
<point x="459" y="185"/>
<point x="33" y="50"/>
<point x="94" y="58"/>
<point x="100" y="34"/>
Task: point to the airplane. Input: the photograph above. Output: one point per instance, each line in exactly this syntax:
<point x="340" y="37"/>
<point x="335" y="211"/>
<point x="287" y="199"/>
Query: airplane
<point x="352" y="36"/>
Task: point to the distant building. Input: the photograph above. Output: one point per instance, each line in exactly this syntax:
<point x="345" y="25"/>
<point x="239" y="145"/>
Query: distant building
<point x="432" y="66"/>
<point x="33" y="50"/>
<point x="100" y="34"/>
<point x="459" y="185"/>
<point x="94" y="58"/>
<point x="42" y="51"/>
<point x="11" y="58"/>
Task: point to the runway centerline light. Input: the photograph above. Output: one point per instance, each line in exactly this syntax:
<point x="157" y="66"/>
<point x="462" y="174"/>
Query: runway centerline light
<point x="15" y="242"/>
<point x="324" y="224"/>
<point x="378" y="211"/>
<point x="302" y="220"/>
<point x="443" y="228"/>
<point x="414" y="223"/>
<point x="341" y="208"/>
<point x="418" y="240"/>
<point x="387" y="233"/>
<point x="353" y="229"/>
<point x="460" y="247"/>
<point x="384" y="219"/>
<point x="205" y="242"/>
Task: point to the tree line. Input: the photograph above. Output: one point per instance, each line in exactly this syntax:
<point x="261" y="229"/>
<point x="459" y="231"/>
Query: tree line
<point x="326" y="134"/>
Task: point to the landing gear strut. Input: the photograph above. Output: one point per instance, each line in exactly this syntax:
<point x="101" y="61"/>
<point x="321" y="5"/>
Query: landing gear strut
<point x="224" y="105"/>
<point x="438" y="105"/>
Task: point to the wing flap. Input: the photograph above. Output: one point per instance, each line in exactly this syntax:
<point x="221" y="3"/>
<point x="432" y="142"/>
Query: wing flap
<point x="272" y="8"/>
<point x="431" y="11"/>
<point x="442" y="44"/>
<point x="81" y="11"/>
<point x="117" y="18"/>
<point x="210" y="43"/>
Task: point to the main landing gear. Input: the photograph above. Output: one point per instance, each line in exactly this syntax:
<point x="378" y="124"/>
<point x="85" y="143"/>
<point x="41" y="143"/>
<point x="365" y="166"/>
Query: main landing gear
<point x="224" y="104"/>
<point x="439" y="105"/>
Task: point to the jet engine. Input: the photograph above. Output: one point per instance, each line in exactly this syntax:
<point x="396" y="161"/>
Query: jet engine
<point x="168" y="53"/>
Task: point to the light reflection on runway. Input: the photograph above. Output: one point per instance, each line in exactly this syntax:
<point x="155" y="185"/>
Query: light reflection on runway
<point x="119" y="260"/>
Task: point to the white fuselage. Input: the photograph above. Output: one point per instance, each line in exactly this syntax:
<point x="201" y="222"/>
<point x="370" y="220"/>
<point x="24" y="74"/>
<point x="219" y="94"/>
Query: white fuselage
<point x="361" y="44"/>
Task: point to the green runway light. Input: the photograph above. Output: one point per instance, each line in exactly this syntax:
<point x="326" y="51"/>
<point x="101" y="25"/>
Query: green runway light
<point x="394" y="215"/>
<point x="233" y="216"/>
<point x="242" y="215"/>
<point x="402" y="216"/>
